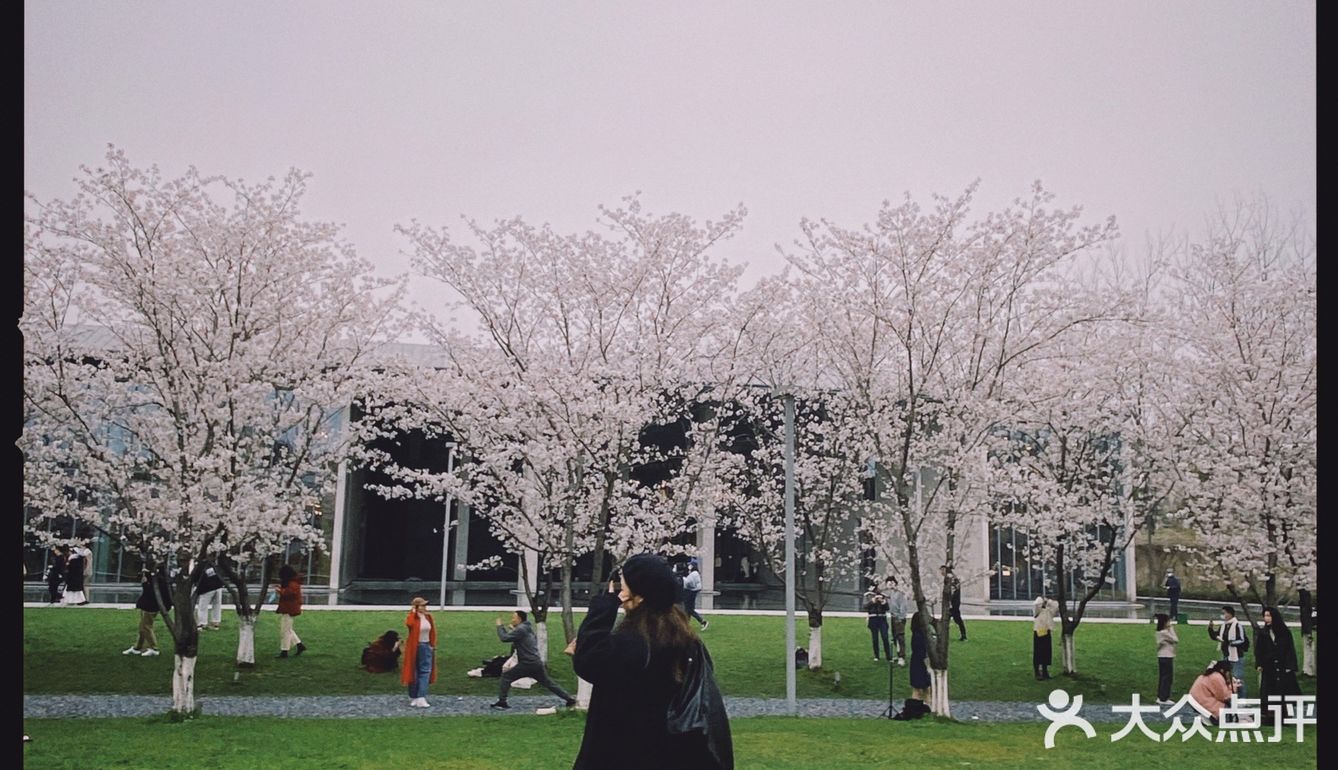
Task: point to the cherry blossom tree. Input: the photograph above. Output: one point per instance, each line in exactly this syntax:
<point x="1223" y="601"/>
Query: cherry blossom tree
<point x="585" y="341"/>
<point x="925" y="318"/>
<point x="1245" y="329"/>
<point x="181" y="356"/>
<point x="1088" y="458"/>
<point x="831" y="455"/>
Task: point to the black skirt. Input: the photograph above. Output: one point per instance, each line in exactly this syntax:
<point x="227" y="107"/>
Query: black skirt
<point x="1040" y="649"/>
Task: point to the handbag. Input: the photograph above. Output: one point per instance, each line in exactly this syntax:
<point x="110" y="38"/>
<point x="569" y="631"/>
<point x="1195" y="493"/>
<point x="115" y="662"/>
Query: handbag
<point x="697" y="709"/>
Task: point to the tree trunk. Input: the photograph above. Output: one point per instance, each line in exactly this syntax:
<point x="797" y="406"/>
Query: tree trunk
<point x="1070" y="659"/>
<point x="814" y="647"/>
<point x="183" y="684"/>
<point x="541" y="636"/>
<point x="583" y="691"/>
<point x="938" y="693"/>
<point x="568" y="616"/>
<point x="1308" y="650"/>
<point x="246" y="641"/>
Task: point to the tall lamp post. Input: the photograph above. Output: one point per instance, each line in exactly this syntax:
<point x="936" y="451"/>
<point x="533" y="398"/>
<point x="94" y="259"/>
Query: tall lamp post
<point x="446" y="523"/>
<point x="792" y="707"/>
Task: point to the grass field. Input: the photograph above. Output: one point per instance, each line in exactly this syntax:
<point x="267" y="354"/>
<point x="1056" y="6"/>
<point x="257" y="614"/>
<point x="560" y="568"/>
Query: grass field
<point x="70" y="650"/>
<point x="525" y="743"/>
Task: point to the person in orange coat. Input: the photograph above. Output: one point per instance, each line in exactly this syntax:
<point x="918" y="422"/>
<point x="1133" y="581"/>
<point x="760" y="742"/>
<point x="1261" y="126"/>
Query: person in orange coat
<point x="290" y="606"/>
<point x="420" y="647"/>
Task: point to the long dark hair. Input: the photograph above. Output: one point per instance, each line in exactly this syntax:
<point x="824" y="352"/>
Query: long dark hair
<point x="1162" y="620"/>
<point x="1278" y="626"/>
<point x="388" y="639"/>
<point x="664" y="631"/>
<point x="1220" y="666"/>
<point x="286" y="574"/>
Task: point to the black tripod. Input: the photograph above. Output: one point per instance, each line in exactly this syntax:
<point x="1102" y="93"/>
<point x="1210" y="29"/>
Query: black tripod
<point x="891" y="711"/>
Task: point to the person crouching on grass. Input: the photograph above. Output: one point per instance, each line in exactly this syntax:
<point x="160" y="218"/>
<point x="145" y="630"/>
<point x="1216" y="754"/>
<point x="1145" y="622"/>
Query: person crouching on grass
<point x="528" y="663"/>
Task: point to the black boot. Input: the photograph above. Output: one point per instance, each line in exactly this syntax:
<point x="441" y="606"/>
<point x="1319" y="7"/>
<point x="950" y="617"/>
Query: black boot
<point x="282" y="654"/>
<point x="1045" y="672"/>
<point x="301" y="648"/>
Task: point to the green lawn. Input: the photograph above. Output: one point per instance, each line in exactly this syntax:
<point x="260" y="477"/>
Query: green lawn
<point x="480" y="743"/>
<point x="79" y="650"/>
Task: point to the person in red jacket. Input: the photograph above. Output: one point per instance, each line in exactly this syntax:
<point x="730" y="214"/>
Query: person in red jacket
<point x="290" y="606"/>
<point x="420" y="647"/>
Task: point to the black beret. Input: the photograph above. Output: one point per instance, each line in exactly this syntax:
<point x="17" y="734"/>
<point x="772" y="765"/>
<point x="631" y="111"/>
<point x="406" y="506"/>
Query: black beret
<point x="649" y="576"/>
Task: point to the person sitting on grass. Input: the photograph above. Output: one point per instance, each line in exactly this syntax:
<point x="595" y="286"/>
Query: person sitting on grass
<point x="383" y="654"/>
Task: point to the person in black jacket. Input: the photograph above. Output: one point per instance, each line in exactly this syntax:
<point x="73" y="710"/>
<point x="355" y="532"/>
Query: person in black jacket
<point x="1275" y="659"/>
<point x="148" y="605"/>
<point x="55" y="573"/>
<point x="636" y="670"/>
<point x="876" y="608"/>
<point x="955" y="601"/>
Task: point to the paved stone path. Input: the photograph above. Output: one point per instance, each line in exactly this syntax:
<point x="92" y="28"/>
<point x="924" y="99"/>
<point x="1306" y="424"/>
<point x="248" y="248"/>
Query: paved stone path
<point x="373" y="706"/>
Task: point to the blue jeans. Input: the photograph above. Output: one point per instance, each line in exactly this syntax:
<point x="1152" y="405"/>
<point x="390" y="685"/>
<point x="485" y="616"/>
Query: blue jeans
<point x="1238" y="671"/>
<point x="690" y="606"/>
<point x="422" y="671"/>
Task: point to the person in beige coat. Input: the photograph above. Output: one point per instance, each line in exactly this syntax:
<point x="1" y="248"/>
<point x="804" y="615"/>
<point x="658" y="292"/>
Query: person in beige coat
<point x="1043" y="614"/>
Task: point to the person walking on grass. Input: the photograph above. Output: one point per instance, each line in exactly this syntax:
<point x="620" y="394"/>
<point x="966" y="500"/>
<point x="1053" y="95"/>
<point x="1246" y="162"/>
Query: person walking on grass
<point x="148" y="606"/>
<point x="420" y="653"/>
<point x="528" y="663"/>
<point x="76" y="572"/>
<point x="692" y="585"/>
<point x="55" y="573"/>
<point x="955" y="601"/>
<point x="1166" y="642"/>
<point x="290" y="606"/>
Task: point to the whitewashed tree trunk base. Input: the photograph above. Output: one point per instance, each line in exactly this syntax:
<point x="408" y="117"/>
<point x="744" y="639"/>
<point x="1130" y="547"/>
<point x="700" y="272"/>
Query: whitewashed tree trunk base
<point x="246" y="643"/>
<point x="583" y="691"/>
<point x="183" y="685"/>
<point x="541" y="636"/>
<point x="938" y="693"/>
<point x="1070" y="655"/>
<point x="814" y="648"/>
<point x="1308" y="648"/>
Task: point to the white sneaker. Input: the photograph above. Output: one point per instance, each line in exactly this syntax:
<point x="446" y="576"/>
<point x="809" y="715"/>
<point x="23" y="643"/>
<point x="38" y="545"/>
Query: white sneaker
<point x="901" y="661"/>
<point x="149" y="653"/>
<point x="131" y="651"/>
<point x="423" y="704"/>
<point x="1165" y="703"/>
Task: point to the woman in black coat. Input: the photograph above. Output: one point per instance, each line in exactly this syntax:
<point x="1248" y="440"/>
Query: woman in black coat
<point x="1275" y="659"/>
<point x="55" y="573"/>
<point x="915" y="706"/>
<point x="635" y="670"/>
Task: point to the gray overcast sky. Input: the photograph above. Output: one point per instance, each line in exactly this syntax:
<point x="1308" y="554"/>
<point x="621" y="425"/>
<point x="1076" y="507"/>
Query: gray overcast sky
<point x="1151" y="111"/>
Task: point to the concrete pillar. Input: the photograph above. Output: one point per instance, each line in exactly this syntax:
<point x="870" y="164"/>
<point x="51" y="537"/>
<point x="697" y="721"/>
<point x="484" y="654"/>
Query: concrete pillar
<point x="706" y="559"/>
<point x="459" y="572"/>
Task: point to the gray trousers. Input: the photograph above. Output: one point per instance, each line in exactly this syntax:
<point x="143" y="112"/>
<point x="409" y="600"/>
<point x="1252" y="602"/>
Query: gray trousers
<point x="535" y="670"/>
